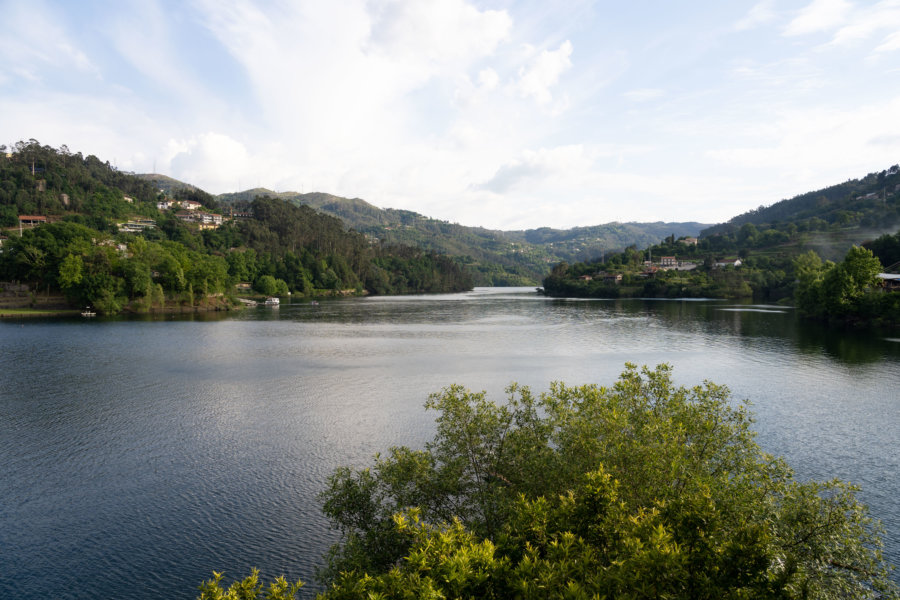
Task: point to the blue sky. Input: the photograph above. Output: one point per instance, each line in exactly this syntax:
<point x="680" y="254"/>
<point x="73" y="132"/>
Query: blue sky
<point x="504" y="114"/>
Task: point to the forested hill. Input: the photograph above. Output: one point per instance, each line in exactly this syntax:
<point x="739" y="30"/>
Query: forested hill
<point x="79" y="227"/>
<point x="585" y="243"/>
<point x="492" y="257"/>
<point x="870" y="203"/>
<point x="496" y="257"/>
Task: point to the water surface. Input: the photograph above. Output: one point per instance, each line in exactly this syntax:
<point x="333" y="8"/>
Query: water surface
<point x="139" y="455"/>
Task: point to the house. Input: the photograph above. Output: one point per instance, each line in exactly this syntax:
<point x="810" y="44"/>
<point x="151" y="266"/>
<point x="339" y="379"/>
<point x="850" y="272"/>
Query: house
<point x="728" y="262"/>
<point x="204" y="220"/>
<point x="890" y="281"/>
<point x="615" y="278"/>
<point x="689" y="241"/>
<point x="137" y="225"/>
<point x="164" y="204"/>
<point x="190" y="205"/>
<point x="586" y="278"/>
<point x="128" y="199"/>
<point x="32" y="220"/>
<point x="668" y="262"/>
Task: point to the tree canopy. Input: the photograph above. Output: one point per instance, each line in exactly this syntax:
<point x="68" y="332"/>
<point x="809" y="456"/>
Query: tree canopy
<point x="642" y="489"/>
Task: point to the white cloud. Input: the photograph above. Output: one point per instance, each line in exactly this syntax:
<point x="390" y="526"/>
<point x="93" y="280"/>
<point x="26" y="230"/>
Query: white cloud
<point x="543" y="72"/>
<point x="35" y="45"/>
<point x="544" y="165"/>
<point x="208" y="159"/>
<point x="440" y="31"/>
<point x="890" y="43"/>
<point x="869" y="22"/>
<point x="819" y="16"/>
<point x="762" y="12"/>
<point x="488" y="79"/>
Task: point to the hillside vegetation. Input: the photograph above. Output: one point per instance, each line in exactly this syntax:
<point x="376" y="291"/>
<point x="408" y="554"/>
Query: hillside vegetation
<point x="494" y="257"/>
<point x="100" y="238"/>
<point x="764" y="253"/>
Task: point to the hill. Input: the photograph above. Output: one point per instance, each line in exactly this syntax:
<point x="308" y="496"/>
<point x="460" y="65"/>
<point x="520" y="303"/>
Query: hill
<point x="80" y="228"/>
<point x="755" y="254"/>
<point x="861" y="207"/>
<point x="496" y="257"/>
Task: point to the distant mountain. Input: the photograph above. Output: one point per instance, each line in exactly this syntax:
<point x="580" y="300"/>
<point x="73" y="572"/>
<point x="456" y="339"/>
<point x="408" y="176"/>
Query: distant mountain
<point x="497" y="257"/>
<point x="586" y="243"/>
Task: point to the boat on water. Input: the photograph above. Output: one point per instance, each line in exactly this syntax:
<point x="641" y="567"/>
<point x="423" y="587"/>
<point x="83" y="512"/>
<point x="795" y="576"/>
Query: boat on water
<point x="272" y="301"/>
<point x="87" y="312"/>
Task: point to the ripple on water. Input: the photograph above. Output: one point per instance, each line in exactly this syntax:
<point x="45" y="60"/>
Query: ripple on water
<point x="143" y="455"/>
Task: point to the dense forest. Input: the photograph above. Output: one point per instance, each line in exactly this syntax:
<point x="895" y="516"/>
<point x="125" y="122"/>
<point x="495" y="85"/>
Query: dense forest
<point x="102" y="241"/>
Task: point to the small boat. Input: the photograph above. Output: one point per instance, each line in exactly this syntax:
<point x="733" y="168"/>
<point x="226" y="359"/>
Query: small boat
<point x="272" y="301"/>
<point x="313" y="303"/>
<point x="87" y="312"/>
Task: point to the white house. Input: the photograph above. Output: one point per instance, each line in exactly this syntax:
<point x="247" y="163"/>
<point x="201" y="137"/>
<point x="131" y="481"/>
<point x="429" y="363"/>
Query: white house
<point x="728" y="262"/>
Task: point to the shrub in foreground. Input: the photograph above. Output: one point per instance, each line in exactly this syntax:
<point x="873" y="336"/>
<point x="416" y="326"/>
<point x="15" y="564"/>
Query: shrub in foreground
<point x="638" y="490"/>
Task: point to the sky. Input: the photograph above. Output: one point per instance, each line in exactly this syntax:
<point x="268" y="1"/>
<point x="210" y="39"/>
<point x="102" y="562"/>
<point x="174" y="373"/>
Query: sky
<point x="504" y="114"/>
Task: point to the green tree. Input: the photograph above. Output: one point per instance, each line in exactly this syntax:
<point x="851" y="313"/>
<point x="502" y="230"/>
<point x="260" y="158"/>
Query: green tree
<point x="266" y="285"/>
<point x="248" y="588"/>
<point x="638" y="490"/>
<point x="71" y="272"/>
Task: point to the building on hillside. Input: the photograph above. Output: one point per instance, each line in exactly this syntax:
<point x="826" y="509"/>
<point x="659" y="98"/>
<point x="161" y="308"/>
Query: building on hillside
<point x="727" y="262"/>
<point x="890" y="281"/>
<point x="136" y="226"/>
<point x="203" y="220"/>
<point x="164" y="204"/>
<point x="31" y="220"/>
<point x="668" y="262"/>
<point x="190" y="205"/>
<point x="689" y="241"/>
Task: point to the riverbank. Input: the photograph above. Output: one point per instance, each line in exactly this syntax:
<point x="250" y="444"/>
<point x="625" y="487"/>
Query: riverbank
<point x="17" y="313"/>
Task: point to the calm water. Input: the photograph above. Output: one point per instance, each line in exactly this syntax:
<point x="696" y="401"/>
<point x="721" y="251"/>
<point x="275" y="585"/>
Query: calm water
<point x="138" y="456"/>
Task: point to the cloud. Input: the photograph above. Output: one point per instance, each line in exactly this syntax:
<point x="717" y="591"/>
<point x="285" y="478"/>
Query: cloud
<point x="540" y="165"/>
<point x="868" y="22"/>
<point x="890" y="43"/>
<point x="36" y="47"/>
<point x="761" y="13"/>
<point x="208" y="159"/>
<point x="819" y="16"/>
<point x="543" y="72"/>
<point x="440" y="31"/>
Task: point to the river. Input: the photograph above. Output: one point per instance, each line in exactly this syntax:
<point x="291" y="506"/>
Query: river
<point x="138" y="455"/>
